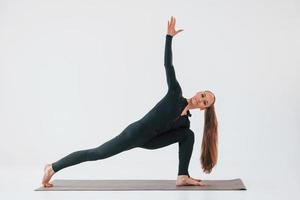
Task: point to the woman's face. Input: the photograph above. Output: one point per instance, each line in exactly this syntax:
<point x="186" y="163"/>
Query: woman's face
<point x="202" y="99"/>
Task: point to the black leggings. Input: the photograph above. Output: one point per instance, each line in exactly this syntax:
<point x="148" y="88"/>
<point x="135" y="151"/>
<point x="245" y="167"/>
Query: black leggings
<point x="128" y="140"/>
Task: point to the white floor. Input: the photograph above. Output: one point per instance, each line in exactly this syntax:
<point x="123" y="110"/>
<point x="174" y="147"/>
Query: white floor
<point x="18" y="183"/>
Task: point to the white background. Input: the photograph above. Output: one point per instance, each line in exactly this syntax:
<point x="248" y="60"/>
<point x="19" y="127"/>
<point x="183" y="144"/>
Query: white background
<point x="74" y="74"/>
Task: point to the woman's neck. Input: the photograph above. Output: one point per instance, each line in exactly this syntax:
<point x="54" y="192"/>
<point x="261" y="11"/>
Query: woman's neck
<point x="187" y="107"/>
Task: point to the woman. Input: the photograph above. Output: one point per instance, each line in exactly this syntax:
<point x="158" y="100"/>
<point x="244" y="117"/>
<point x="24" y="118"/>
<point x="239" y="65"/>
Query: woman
<point x="166" y="123"/>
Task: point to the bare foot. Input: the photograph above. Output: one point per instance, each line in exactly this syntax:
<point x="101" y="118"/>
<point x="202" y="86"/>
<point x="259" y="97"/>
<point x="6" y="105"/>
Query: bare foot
<point x="185" y="180"/>
<point x="196" y="179"/>
<point x="48" y="173"/>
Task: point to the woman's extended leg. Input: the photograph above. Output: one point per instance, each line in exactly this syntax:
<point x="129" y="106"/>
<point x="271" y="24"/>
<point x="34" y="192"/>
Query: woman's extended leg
<point x="185" y="139"/>
<point x="132" y="136"/>
<point x="112" y="147"/>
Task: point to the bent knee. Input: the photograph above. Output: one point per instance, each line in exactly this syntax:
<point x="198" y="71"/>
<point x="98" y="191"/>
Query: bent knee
<point x="189" y="135"/>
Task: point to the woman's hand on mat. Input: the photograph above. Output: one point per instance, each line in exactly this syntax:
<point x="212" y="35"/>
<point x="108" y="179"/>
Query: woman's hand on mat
<point x="171" y="27"/>
<point x="185" y="180"/>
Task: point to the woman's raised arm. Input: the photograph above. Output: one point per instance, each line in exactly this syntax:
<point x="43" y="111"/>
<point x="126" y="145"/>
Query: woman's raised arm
<point x="170" y="72"/>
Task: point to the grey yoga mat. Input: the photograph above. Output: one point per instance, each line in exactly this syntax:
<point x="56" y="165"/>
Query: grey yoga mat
<point x="115" y="185"/>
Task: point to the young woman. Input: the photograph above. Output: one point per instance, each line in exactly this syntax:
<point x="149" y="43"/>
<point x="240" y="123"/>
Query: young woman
<point x="166" y="123"/>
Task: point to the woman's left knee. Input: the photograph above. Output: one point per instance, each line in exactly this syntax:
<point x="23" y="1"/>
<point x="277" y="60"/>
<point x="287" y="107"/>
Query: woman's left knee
<point x="190" y="135"/>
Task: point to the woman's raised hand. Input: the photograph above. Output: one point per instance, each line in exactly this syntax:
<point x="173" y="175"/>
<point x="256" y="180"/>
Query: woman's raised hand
<point x="171" y="27"/>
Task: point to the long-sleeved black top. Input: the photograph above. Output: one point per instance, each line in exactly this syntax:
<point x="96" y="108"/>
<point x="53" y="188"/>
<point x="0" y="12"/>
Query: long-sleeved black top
<point x="165" y="114"/>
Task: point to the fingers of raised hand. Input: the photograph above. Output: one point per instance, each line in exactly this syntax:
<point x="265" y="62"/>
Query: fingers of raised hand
<point x="170" y="26"/>
<point x="173" y="21"/>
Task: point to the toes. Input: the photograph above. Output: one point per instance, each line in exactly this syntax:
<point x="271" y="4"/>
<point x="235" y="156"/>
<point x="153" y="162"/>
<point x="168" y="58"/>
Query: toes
<point x="48" y="185"/>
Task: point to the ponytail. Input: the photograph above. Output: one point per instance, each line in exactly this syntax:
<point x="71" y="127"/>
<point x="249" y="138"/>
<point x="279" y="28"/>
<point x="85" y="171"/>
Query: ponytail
<point x="209" y="149"/>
